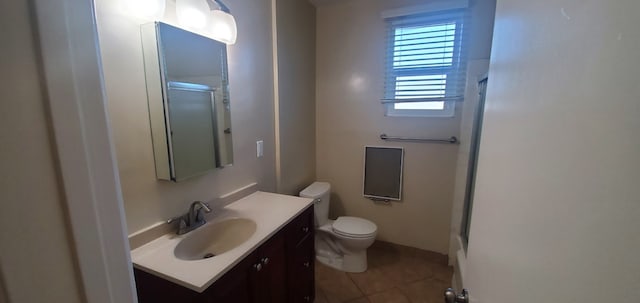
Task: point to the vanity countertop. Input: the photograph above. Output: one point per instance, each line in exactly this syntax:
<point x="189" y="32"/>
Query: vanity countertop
<point x="270" y="211"/>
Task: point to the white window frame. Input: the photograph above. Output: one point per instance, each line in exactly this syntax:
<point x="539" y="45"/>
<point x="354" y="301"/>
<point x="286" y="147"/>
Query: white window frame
<point x="390" y="93"/>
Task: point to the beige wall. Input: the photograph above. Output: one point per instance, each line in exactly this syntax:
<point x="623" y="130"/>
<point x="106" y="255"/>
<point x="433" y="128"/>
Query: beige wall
<point x="36" y="258"/>
<point x="146" y="199"/>
<point x="350" y="63"/>
<point x="296" y="51"/>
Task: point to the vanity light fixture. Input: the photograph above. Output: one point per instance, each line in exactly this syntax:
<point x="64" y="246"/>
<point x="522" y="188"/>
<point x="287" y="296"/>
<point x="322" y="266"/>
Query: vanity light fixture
<point x="222" y="25"/>
<point x="209" y="17"/>
<point x="192" y="14"/>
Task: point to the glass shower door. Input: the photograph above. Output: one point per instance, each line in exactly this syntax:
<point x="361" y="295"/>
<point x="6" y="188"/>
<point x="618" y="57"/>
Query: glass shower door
<point x="473" y="162"/>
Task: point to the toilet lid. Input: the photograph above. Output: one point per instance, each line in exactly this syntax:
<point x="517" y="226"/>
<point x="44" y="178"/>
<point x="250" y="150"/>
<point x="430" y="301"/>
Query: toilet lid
<point x="354" y="227"/>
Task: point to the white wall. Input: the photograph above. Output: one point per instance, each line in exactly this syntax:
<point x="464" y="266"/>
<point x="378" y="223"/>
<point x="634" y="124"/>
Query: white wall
<point x="146" y="199"/>
<point x="350" y="64"/>
<point x="37" y="261"/>
<point x="557" y="204"/>
<point x="296" y="52"/>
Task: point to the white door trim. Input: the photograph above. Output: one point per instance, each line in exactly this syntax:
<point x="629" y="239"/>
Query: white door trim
<point x="75" y="90"/>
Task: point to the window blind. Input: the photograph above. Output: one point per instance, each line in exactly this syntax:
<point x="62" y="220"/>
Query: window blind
<point x="425" y="59"/>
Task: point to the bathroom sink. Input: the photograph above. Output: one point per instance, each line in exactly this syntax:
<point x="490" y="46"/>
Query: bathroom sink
<point x="215" y="238"/>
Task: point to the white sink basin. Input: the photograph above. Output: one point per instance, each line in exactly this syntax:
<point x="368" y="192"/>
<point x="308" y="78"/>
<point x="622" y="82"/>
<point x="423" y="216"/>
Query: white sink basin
<point x="215" y="238"/>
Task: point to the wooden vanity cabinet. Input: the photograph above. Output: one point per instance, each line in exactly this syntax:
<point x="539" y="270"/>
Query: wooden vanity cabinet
<point x="280" y="270"/>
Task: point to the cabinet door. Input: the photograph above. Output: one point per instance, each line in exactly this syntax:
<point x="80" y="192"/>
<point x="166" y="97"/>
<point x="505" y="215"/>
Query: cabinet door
<point x="269" y="273"/>
<point x="234" y="286"/>
<point x="299" y="228"/>
<point x="152" y="289"/>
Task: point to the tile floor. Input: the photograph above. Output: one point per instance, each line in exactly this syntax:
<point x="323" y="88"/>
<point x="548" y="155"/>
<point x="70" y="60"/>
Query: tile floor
<point x="396" y="274"/>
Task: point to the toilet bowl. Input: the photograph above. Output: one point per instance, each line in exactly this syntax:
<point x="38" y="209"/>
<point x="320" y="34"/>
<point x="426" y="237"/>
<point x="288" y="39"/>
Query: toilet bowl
<point x="341" y="243"/>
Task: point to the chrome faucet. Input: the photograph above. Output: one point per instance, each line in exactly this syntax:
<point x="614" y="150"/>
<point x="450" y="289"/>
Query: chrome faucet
<point x="193" y="219"/>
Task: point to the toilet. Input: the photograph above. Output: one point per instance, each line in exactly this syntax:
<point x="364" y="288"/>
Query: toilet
<point x="341" y="243"/>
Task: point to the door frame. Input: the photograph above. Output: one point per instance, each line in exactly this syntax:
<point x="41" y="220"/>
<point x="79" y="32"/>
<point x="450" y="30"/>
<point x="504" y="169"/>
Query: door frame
<point x="72" y="76"/>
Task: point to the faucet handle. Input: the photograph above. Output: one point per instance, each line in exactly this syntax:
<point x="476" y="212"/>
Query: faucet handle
<point x="182" y="223"/>
<point x="203" y="206"/>
<point x="182" y="226"/>
<point x="174" y="219"/>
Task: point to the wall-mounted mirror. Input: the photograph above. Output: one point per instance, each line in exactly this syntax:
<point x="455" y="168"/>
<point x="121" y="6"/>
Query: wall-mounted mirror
<point x="188" y="95"/>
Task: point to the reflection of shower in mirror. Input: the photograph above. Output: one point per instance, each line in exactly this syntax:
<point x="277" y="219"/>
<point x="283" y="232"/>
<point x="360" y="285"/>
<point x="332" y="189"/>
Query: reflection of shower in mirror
<point x="189" y="104"/>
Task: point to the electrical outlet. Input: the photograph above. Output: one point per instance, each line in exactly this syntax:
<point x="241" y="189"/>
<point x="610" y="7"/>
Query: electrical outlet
<point x="259" y="148"/>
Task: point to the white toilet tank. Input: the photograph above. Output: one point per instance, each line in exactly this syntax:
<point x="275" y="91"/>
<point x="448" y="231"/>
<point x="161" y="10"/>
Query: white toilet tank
<point x="322" y="191"/>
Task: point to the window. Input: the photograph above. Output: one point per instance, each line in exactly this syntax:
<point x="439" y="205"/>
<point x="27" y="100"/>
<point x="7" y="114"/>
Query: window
<point x="425" y="69"/>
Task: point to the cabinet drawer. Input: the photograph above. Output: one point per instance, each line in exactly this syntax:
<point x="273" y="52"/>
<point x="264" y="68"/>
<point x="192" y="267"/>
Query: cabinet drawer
<point x="300" y="227"/>
<point x="303" y="259"/>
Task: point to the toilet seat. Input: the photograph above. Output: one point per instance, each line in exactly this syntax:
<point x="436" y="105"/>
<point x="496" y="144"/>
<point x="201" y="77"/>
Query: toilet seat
<point x="354" y="227"/>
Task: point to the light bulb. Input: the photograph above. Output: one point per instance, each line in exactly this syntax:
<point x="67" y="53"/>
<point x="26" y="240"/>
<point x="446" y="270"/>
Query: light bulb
<point x="192" y="14"/>
<point x="222" y="27"/>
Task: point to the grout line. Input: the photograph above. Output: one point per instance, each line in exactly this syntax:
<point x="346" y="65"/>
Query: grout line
<point x="356" y="284"/>
<point x="322" y="293"/>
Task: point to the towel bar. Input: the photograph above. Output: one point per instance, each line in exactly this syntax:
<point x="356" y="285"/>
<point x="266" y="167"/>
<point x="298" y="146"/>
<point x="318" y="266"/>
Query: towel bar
<point x="451" y="140"/>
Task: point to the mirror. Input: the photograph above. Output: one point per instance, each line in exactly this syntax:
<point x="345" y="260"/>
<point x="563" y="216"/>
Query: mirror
<point x="188" y="96"/>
